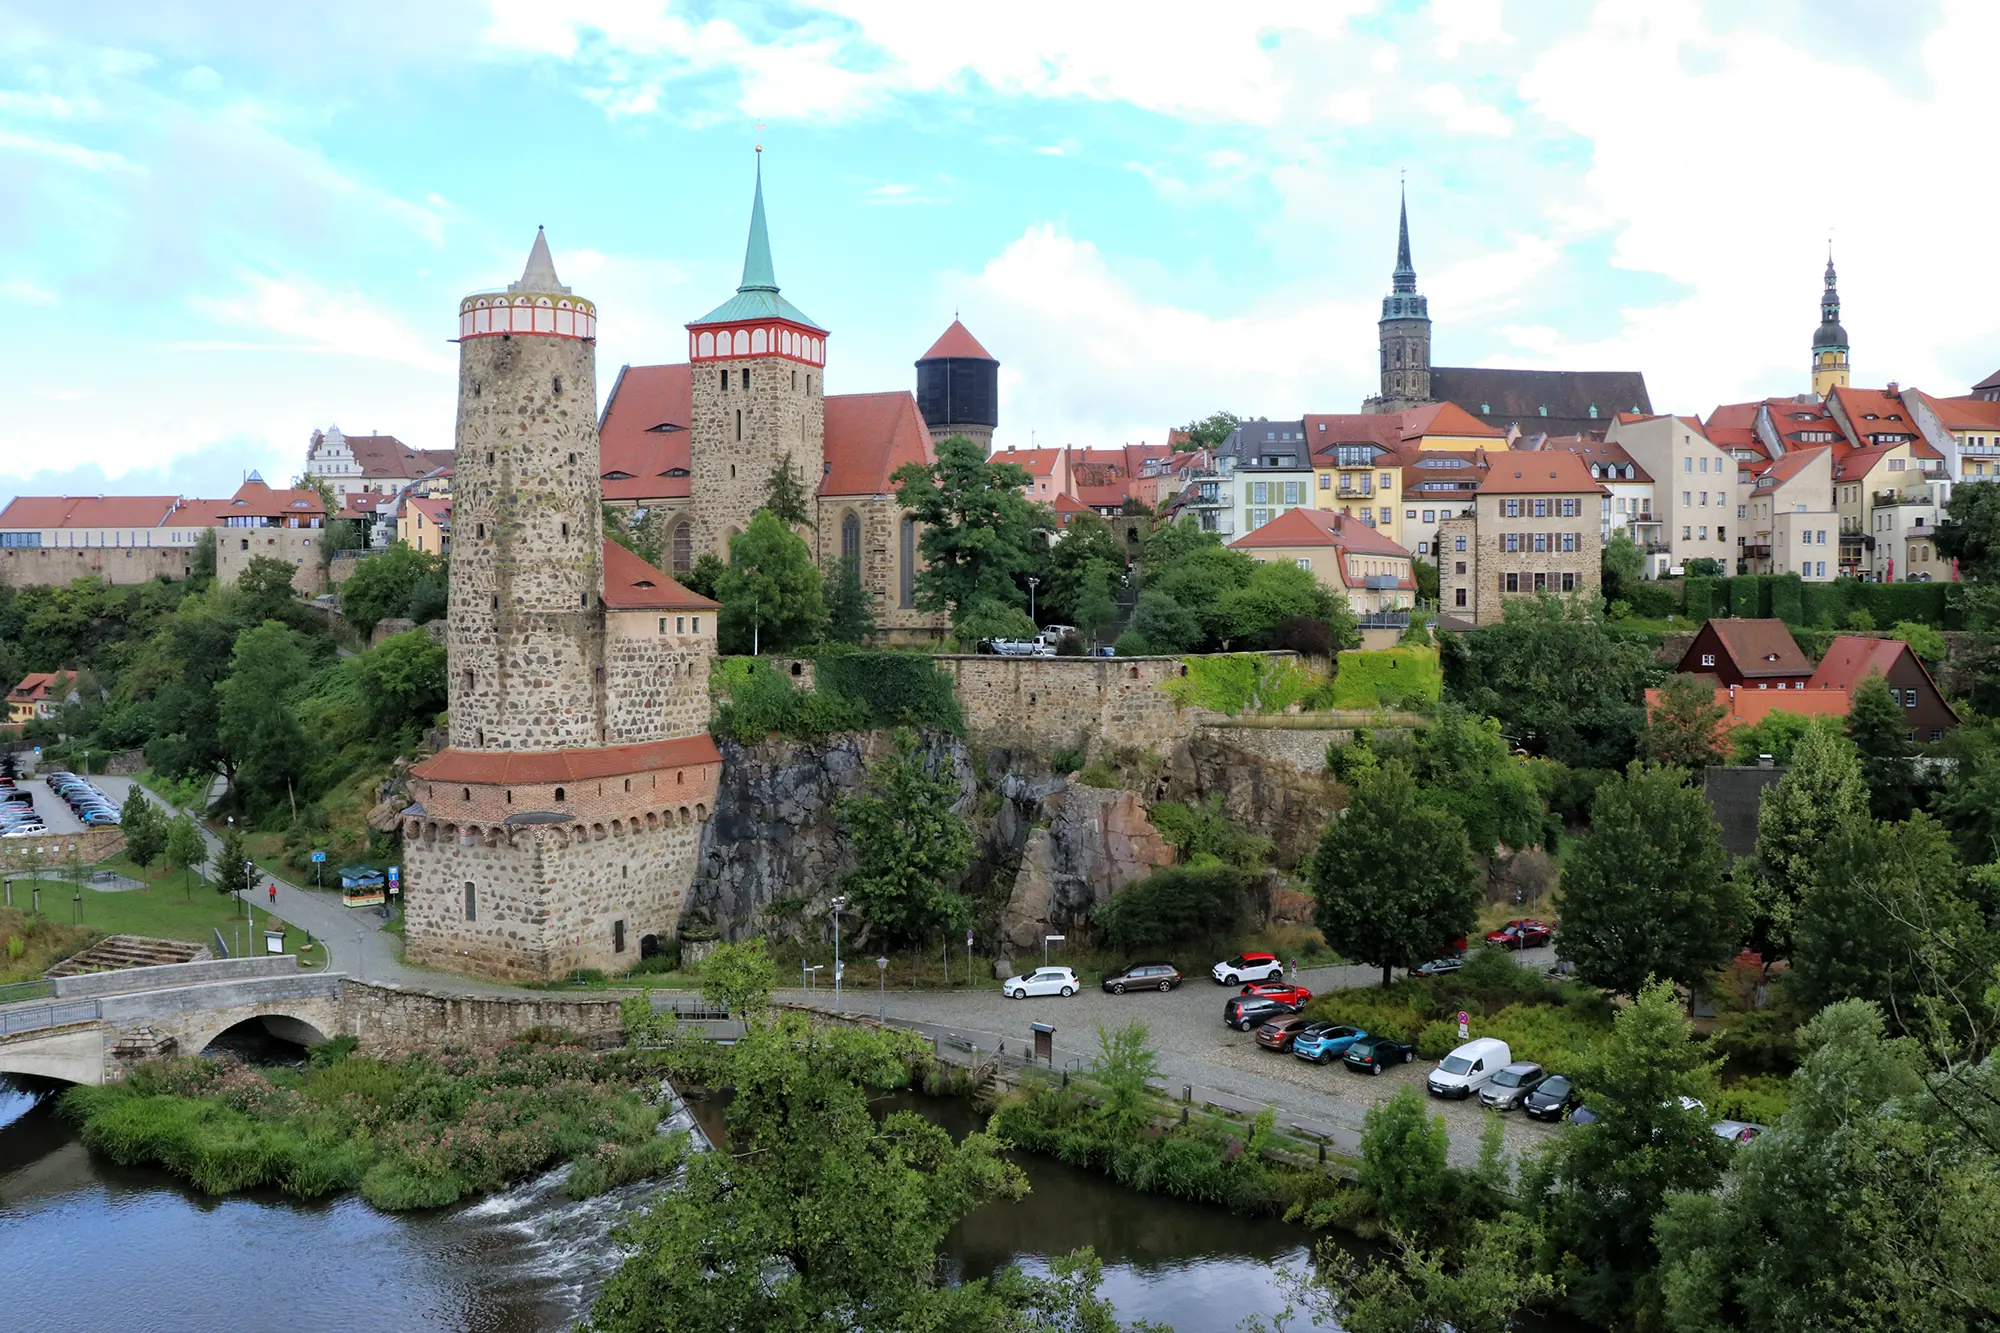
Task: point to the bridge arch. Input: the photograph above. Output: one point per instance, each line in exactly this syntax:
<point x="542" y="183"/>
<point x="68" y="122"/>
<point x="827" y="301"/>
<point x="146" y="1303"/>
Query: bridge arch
<point x="283" y="1026"/>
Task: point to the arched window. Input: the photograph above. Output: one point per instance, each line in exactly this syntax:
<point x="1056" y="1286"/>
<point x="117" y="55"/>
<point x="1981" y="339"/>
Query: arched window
<point x="850" y="539"/>
<point x="906" y="575"/>
<point x="559" y="795"/>
<point x="471" y="902"/>
<point x="684" y="546"/>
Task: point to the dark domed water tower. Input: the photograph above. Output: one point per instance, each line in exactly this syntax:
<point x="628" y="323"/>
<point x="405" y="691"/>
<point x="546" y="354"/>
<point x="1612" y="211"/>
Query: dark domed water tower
<point x="958" y="388"/>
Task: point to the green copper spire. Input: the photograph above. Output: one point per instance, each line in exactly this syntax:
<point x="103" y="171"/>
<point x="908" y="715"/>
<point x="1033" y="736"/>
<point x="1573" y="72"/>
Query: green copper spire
<point x="757" y="297"/>
<point x="758" y="275"/>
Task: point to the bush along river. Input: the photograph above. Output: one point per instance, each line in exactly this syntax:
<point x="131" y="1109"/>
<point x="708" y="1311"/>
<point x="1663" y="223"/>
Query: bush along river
<point x="478" y="1191"/>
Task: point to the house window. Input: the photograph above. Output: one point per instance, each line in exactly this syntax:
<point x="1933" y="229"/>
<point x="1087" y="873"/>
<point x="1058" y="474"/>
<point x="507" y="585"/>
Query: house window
<point x="1430" y="515"/>
<point x="1458" y="596"/>
<point x="1423" y="548"/>
<point x="1937" y="733"/>
<point x="1388" y="482"/>
<point x="1303" y="562"/>
<point x="906" y="587"/>
<point x="684" y="546"/>
<point x="1569" y="541"/>
<point x="1292" y="495"/>
<point x="1260" y="492"/>
<point x="1461" y="568"/>
<point x="618" y="937"/>
<point x="1569" y="583"/>
<point x="1510" y="583"/>
<point x="1541" y="541"/>
<point x="1513" y="509"/>
<point x="1510" y="541"/>
<point x="1541" y="509"/>
<point x="1909" y="698"/>
<point x="1458" y="544"/>
<point x="1708" y="659"/>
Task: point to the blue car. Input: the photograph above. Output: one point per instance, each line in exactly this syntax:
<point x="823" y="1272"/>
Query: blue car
<point x="1326" y="1045"/>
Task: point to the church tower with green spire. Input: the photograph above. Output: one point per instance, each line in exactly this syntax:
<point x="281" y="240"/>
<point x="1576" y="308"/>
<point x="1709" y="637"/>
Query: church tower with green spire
<point x="759" y="369"/>
<point x="1404" y="333"/>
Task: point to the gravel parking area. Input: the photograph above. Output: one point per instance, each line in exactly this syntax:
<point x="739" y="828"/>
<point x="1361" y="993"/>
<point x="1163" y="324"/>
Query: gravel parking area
<point x="1195" y="1048"/>
<point x="53" y="809"/>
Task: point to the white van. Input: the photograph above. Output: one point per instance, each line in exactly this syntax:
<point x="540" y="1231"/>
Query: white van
<point x="1466" y="1069"/>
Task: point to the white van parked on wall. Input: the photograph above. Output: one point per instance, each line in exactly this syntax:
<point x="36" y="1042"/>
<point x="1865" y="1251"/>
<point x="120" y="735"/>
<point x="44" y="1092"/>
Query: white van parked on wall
<point x="1466" y="1070"/>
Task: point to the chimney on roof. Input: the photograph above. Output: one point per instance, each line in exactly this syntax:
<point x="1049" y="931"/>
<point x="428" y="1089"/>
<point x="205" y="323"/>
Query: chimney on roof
<point x="1893" y="390"/>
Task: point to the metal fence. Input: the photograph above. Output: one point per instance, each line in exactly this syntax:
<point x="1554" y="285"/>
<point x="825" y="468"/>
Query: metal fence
<point x="27" y="990"/>
<point x="48" y="1015"/>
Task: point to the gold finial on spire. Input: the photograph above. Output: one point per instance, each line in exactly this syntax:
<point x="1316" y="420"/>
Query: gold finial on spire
<point x="760" y="136"/>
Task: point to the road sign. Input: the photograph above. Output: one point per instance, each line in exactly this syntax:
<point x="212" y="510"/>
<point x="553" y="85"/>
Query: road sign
<point x="968" y="939"/>
<point x="395" y="879"/>
<point x="1464" y="1027"/>
<point x="318" y="857"/>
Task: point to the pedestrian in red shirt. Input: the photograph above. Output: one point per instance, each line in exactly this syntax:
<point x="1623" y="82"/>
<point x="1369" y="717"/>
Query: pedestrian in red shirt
<point x="274" y="893"/>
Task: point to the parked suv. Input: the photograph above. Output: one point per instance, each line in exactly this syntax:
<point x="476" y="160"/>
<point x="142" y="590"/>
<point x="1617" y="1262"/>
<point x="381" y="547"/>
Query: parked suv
<point x="1328" y="1044"/>
<point x="1244" y="1012"/>
<point x="1504" y="1091"/>
<point x="1143" y="976"/>
<point x="1281" y="1032"/>
<point x="1248" y="967"/>
<point x="1376" y="1054"/>
<point x="1467" y="1069"/>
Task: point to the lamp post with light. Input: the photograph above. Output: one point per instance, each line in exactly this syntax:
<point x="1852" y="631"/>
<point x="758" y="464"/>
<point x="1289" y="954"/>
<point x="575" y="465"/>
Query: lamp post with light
<point x="1046" y="941"/>
<point x="838" y="903"/>
<point x="882" y="989"/>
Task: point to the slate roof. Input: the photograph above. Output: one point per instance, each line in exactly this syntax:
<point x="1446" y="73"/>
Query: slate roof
<point x="1503" y="398"/>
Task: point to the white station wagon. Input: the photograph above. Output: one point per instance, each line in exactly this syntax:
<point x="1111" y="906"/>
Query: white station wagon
<point x="1044" y="981"/>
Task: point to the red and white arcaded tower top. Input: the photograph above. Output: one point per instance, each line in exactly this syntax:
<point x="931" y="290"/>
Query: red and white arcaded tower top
<point x="535" y="304"/>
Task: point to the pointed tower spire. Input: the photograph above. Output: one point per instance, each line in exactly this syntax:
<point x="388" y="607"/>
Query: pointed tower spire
<point x="1406" y="272"/>
<point x="540" y="274"/>
<point x="1829" y="349"/>
<point x="758" y="274"/>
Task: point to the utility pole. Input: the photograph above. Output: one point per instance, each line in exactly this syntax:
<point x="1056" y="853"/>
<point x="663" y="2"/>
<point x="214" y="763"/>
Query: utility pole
<point x="838" y="903"/>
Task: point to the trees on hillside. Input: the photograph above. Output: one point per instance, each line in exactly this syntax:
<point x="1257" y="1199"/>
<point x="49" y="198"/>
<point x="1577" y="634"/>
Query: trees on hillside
<point x="981" y="532"/>
<point x="1879" y="730"/>
<point x="1649" y="894"/>
<point x="1683" y="729"/>
<point x="1394" y="883"/>
<point x="771" y="593"/>
<point x="405" y="679"/>
<point x="267" y="749"/>
<point x="1464" y="765"/>
<point x="394" y="582"/>
<point x="1821" y="794"/>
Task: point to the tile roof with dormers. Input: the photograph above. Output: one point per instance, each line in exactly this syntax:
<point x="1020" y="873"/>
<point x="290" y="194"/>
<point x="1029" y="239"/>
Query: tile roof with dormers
<point x="1852" y="658"/>
<point x="1760" y="647"/>
<point x="630" y="584"/>
<point x="384" y="457"/>
<point x="1606" y="461"/>
<point x="1300" y="529"/>
<point x="642" y="440"/>
<point x="1858" y="463"/>
<point x="254" y="499"/>
<point x="436" y="508"/>
<point x="1784" y="469"/>
<point x="34" y="687"/>
<point x="1966" y="413"/>
<point x="1872" y="413"/>
<point x="868" y="436"/>
<point x="1546" y="472"/>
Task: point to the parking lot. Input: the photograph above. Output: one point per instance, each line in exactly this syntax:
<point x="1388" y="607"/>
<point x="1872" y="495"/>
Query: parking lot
<point x="1186" y="1030"/>
<point x="53" y="809"/>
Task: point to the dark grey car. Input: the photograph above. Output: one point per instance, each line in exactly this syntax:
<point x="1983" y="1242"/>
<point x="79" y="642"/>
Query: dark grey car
<point x="1143" y="976"/>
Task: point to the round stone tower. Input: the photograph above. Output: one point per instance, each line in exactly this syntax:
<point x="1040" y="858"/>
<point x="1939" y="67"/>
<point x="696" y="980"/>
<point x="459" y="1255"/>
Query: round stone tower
<point x="958" y="388"/>
<point x="526" y="559"/>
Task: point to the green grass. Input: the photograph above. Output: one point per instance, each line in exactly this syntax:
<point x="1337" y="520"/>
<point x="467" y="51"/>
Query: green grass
<point x="1390" y="678"/>
<point x="41" y="941"/>
<point x="164" y="909"/>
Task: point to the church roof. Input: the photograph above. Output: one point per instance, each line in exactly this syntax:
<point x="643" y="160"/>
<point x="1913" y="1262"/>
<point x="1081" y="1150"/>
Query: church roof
<point x="757" y="296"/>
<point x="1558" y="401"/>
<point x="642" y="442"/>
<point x="958" y="341"/>
<point x="1990" y="382"/>
<point x="630" y="584"/>
<point x="869" y="436"/>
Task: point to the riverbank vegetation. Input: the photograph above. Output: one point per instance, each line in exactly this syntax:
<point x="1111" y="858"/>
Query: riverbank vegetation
<point x="420" y="1132"/>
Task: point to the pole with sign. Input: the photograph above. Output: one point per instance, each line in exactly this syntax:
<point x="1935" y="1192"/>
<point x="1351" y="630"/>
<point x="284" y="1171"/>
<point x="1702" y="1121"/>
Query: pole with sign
<point x="1464" y="1025"/>
<point x="319" y="859"/>
<point x="395" y="880"/>
<point x="968" y="955"/>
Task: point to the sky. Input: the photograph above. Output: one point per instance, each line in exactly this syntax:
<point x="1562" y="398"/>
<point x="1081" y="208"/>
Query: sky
<point x="226" y="224"/>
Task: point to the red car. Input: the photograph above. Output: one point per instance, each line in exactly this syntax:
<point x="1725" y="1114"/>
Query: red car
<point x="1520" y="935"/>
<point x="1296" y="996"/>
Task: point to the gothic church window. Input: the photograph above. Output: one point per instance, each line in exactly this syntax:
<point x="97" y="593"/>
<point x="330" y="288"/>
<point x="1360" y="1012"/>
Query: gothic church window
<point x="850" y="539"/>
<point x="471" y="902"/>
<point x="683" y="546"/>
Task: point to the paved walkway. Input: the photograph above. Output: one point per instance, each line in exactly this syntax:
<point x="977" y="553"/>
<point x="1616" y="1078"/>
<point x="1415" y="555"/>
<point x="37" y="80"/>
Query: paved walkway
<point x="353" y="937"/>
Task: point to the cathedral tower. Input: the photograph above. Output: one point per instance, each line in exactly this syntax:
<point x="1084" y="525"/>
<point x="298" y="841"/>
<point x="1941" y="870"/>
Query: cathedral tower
<point x="958" y="388"/>
<point x="1404" y="333"/>
<point x="559" y="828"/>
<point x="526" y="552"/>
<point x="758" y="366"/>
<point x="1829" y="346"/>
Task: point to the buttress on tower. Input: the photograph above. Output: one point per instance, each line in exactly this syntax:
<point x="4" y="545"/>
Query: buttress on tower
<point x="560" y="827"/>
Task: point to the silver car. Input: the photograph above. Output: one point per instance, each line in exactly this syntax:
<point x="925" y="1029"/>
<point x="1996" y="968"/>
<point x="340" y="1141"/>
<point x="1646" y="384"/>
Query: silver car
<point x="1504" y="1091"/>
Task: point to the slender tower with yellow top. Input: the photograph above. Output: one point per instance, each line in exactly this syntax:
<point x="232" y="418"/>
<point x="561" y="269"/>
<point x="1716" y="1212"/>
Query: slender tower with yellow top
<point x="1829" y="348"/>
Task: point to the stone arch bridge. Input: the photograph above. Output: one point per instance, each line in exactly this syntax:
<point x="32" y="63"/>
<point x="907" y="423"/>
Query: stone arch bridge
<point x="92" y="1028"/>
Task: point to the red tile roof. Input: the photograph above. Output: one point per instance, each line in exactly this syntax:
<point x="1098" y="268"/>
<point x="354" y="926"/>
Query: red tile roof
<point x="1858" y="463"/>
<point x="87" y="511"/>
<point x="1593" y="450"/>
<point x="1519" y="472"/>
<point x="1038" y="462"/>
<point x="1761" y="647"/>
<point x="436" y="508"/>
<point x="254" y="499"/>
<point x="385" y="456"/>
<point x="630" y="584"/>
<point x="1852" y="658"/>
<point x="1789" y="466"/>
<point x="1966" y="413"/>
<point x="643" y="438"/>
<point x="498" y="767"/>
<point x="1733" y="426"/>
<point x="1319" y="527"/>
<point x="1889" y="413"/>
<point x="1445" y="419"/>
<point x="1747" y="706"/>
<point x="869" y="436"/>
<point x="33" y="687"/>
<point x="958" y="341"/>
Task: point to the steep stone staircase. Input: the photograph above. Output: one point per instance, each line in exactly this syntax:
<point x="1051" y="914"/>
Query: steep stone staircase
<point x="122" y="951"/>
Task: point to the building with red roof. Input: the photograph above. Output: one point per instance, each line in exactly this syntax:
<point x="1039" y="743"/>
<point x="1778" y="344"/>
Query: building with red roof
<point x="1348" y="557"/>
<point x="425" y="523"/>
<point x="1628" y="505"/>
<point x="287" y="524"/>
<point x="1852" y="658"/>
<point x="40" y="694"/>
<point x="368" y="464"/>
<point x="1793" y="523"/>
<point x="1533" y="530"/>
<point x="1754" y="653"/>
<point x="1698" y="489"/>
<point x="1965" y="431"/>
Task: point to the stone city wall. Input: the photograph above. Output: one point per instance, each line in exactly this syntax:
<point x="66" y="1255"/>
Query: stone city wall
<point x="1303" y="749"/>
<point x="55" y="567"/>
<point x="235" y="548"/>
<point x="58" y="849"/>
<point x="397" y="1020"/>
<point x="1053" y="703"/>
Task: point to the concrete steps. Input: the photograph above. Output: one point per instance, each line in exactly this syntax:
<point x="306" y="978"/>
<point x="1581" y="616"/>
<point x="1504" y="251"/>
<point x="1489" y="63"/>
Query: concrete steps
<point x="122" y="951"/>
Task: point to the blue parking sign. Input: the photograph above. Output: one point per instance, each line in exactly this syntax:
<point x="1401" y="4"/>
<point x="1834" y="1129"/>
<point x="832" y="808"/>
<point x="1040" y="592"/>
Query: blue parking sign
<point x="319" y="856"/>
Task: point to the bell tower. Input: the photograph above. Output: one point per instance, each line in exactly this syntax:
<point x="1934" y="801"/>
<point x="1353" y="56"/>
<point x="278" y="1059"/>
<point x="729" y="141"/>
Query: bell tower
<point x="1829" y="346"/>
<point x="759" y="377"/>
<point x="1404" y="333"/>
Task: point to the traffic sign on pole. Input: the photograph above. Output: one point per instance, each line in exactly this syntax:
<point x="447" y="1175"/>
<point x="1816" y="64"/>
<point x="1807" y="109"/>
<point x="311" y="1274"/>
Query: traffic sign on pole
<point x="1464" y="1025"/>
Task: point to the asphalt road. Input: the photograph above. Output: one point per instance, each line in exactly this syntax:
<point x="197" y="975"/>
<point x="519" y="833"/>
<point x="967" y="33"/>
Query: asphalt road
<point x="53" y="809"/>
<point x="1194" y="1048"/>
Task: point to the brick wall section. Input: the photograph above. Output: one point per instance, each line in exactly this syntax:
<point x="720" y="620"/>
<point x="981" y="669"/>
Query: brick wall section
<point x="298" y="547"/>
<point x="526" y="546"/>
<point x="396" y="1020"/>
<point x="546" y="898"/>
<point x="729" y="468"/>
<point x="656" y="674"/>
<point x="52" y="567"/>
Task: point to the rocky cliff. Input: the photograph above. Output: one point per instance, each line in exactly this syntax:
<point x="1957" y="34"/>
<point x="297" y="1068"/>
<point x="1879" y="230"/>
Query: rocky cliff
<point x="1263" y="794"/>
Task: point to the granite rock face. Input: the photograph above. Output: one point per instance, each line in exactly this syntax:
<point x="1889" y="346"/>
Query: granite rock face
<point x="774" y="836"/>
<point x="1263" y="794"/>
<point x="1097" y="841"/>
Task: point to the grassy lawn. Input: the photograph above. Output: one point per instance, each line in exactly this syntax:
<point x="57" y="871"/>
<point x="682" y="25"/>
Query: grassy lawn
<point x="30" y="945"/>
<point x="1387" y="678"/>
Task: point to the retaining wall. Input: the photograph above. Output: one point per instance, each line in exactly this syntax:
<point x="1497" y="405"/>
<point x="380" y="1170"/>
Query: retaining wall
<point x="132" y="979"/>
<point x="398" y="1020"/>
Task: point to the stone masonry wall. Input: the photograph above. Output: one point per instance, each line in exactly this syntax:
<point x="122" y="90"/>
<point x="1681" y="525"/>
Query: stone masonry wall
<point x="526" y="609"/>
<point x="656" y="675"/>
<point x="55" y="567"/>
<point x="1303" y="749"/>
<point x="57" y="849"/>
<point x="235" y="548"/>
<point x="782" y="412"/>
<point x="1052" y="703"/>
<point x="881" y="561"/>
<point x="397" y="1020"/>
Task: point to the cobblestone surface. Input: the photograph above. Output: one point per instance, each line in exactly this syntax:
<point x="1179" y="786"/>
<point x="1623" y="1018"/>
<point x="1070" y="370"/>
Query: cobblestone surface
<point x="1195" y="1048"/>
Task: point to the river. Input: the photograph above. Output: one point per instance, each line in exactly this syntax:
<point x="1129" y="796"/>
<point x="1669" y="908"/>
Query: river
<point x="90" y="1245"/>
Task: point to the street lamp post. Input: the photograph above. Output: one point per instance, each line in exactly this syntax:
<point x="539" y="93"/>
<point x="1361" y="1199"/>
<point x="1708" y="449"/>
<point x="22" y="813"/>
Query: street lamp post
<point x="1033" y="583"/>
<point x="838" y="903"/>
<point x="1046" y="940"/>
<point x="882" y="989"/>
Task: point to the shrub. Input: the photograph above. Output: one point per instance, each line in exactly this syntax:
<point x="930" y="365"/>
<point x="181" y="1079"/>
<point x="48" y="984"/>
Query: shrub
<point x="1761" y="1100"/>
<point x="1066" y="760"/>
<point x="1177" y="905"/>
<point x="894" y="689"/>
<point x="1397" y="677"/>
<point x="1654" y="601"/>
<point x="1132" y="644"/>
<point x="1205" y="832"/>
<point x="1233" y="683"/>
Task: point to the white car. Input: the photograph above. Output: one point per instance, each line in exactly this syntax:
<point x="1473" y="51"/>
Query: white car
<point x="1469" y="1068"/>
<point x="1045" y="981"/>
<point x="1248" y="967"/>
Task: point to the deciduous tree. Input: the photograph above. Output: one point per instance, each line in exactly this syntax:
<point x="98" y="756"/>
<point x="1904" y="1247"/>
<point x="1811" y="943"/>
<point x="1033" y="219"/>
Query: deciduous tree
<point x="1879" y="730"/>
<point x="739" y="978"/>
<point x="1795" y="819"/>
<point x="770" y="593"/>
<point x="981" y="532"/>
<point x="850" y="611"/>
<point x="186" y="848"/>
<point x="1682" y="730"/>
<point x="911" y="846"/>
<point x="255" y="722"/>
<point x="385" y="585"/>
<point x="144" y="827"/>
<point x="1393" y="878"/>
<point x="405" y="679"/>
<point x="1210" y="431"/>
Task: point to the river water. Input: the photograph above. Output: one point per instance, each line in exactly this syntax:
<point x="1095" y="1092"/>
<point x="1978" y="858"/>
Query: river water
<point x="89" y="1245"/>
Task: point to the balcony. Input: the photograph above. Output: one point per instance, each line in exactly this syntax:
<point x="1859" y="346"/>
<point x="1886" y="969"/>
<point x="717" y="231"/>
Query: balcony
<point x="1852" y="541"/>
<point x="1346" y="491"/>
<point x="1383" y="620"/>
<point x="1758" y="551"/>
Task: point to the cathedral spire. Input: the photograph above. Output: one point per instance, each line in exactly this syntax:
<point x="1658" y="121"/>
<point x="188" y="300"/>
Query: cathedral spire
<point x="1406" y="272"/>
<point x="758" y="274"/>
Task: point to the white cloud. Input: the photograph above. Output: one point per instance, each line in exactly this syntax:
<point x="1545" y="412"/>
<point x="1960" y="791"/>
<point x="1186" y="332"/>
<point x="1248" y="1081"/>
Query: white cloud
<point x="70" y="154"/>
<point x="1092" y="361"/>
<point x="1461" y="115"/>
<point x="1463" y="23"/>
<point x="28" y="292"/>
<point x="317" y="320"/>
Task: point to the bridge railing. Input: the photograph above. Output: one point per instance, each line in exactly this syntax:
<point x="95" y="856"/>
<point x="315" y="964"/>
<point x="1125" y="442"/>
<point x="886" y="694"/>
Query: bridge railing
<point x="48" y="1016"/>
<point x="27" y="990"/>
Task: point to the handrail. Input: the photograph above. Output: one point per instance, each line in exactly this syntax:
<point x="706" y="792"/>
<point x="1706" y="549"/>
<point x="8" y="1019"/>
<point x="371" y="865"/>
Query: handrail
<point x="49" y="1015"/>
